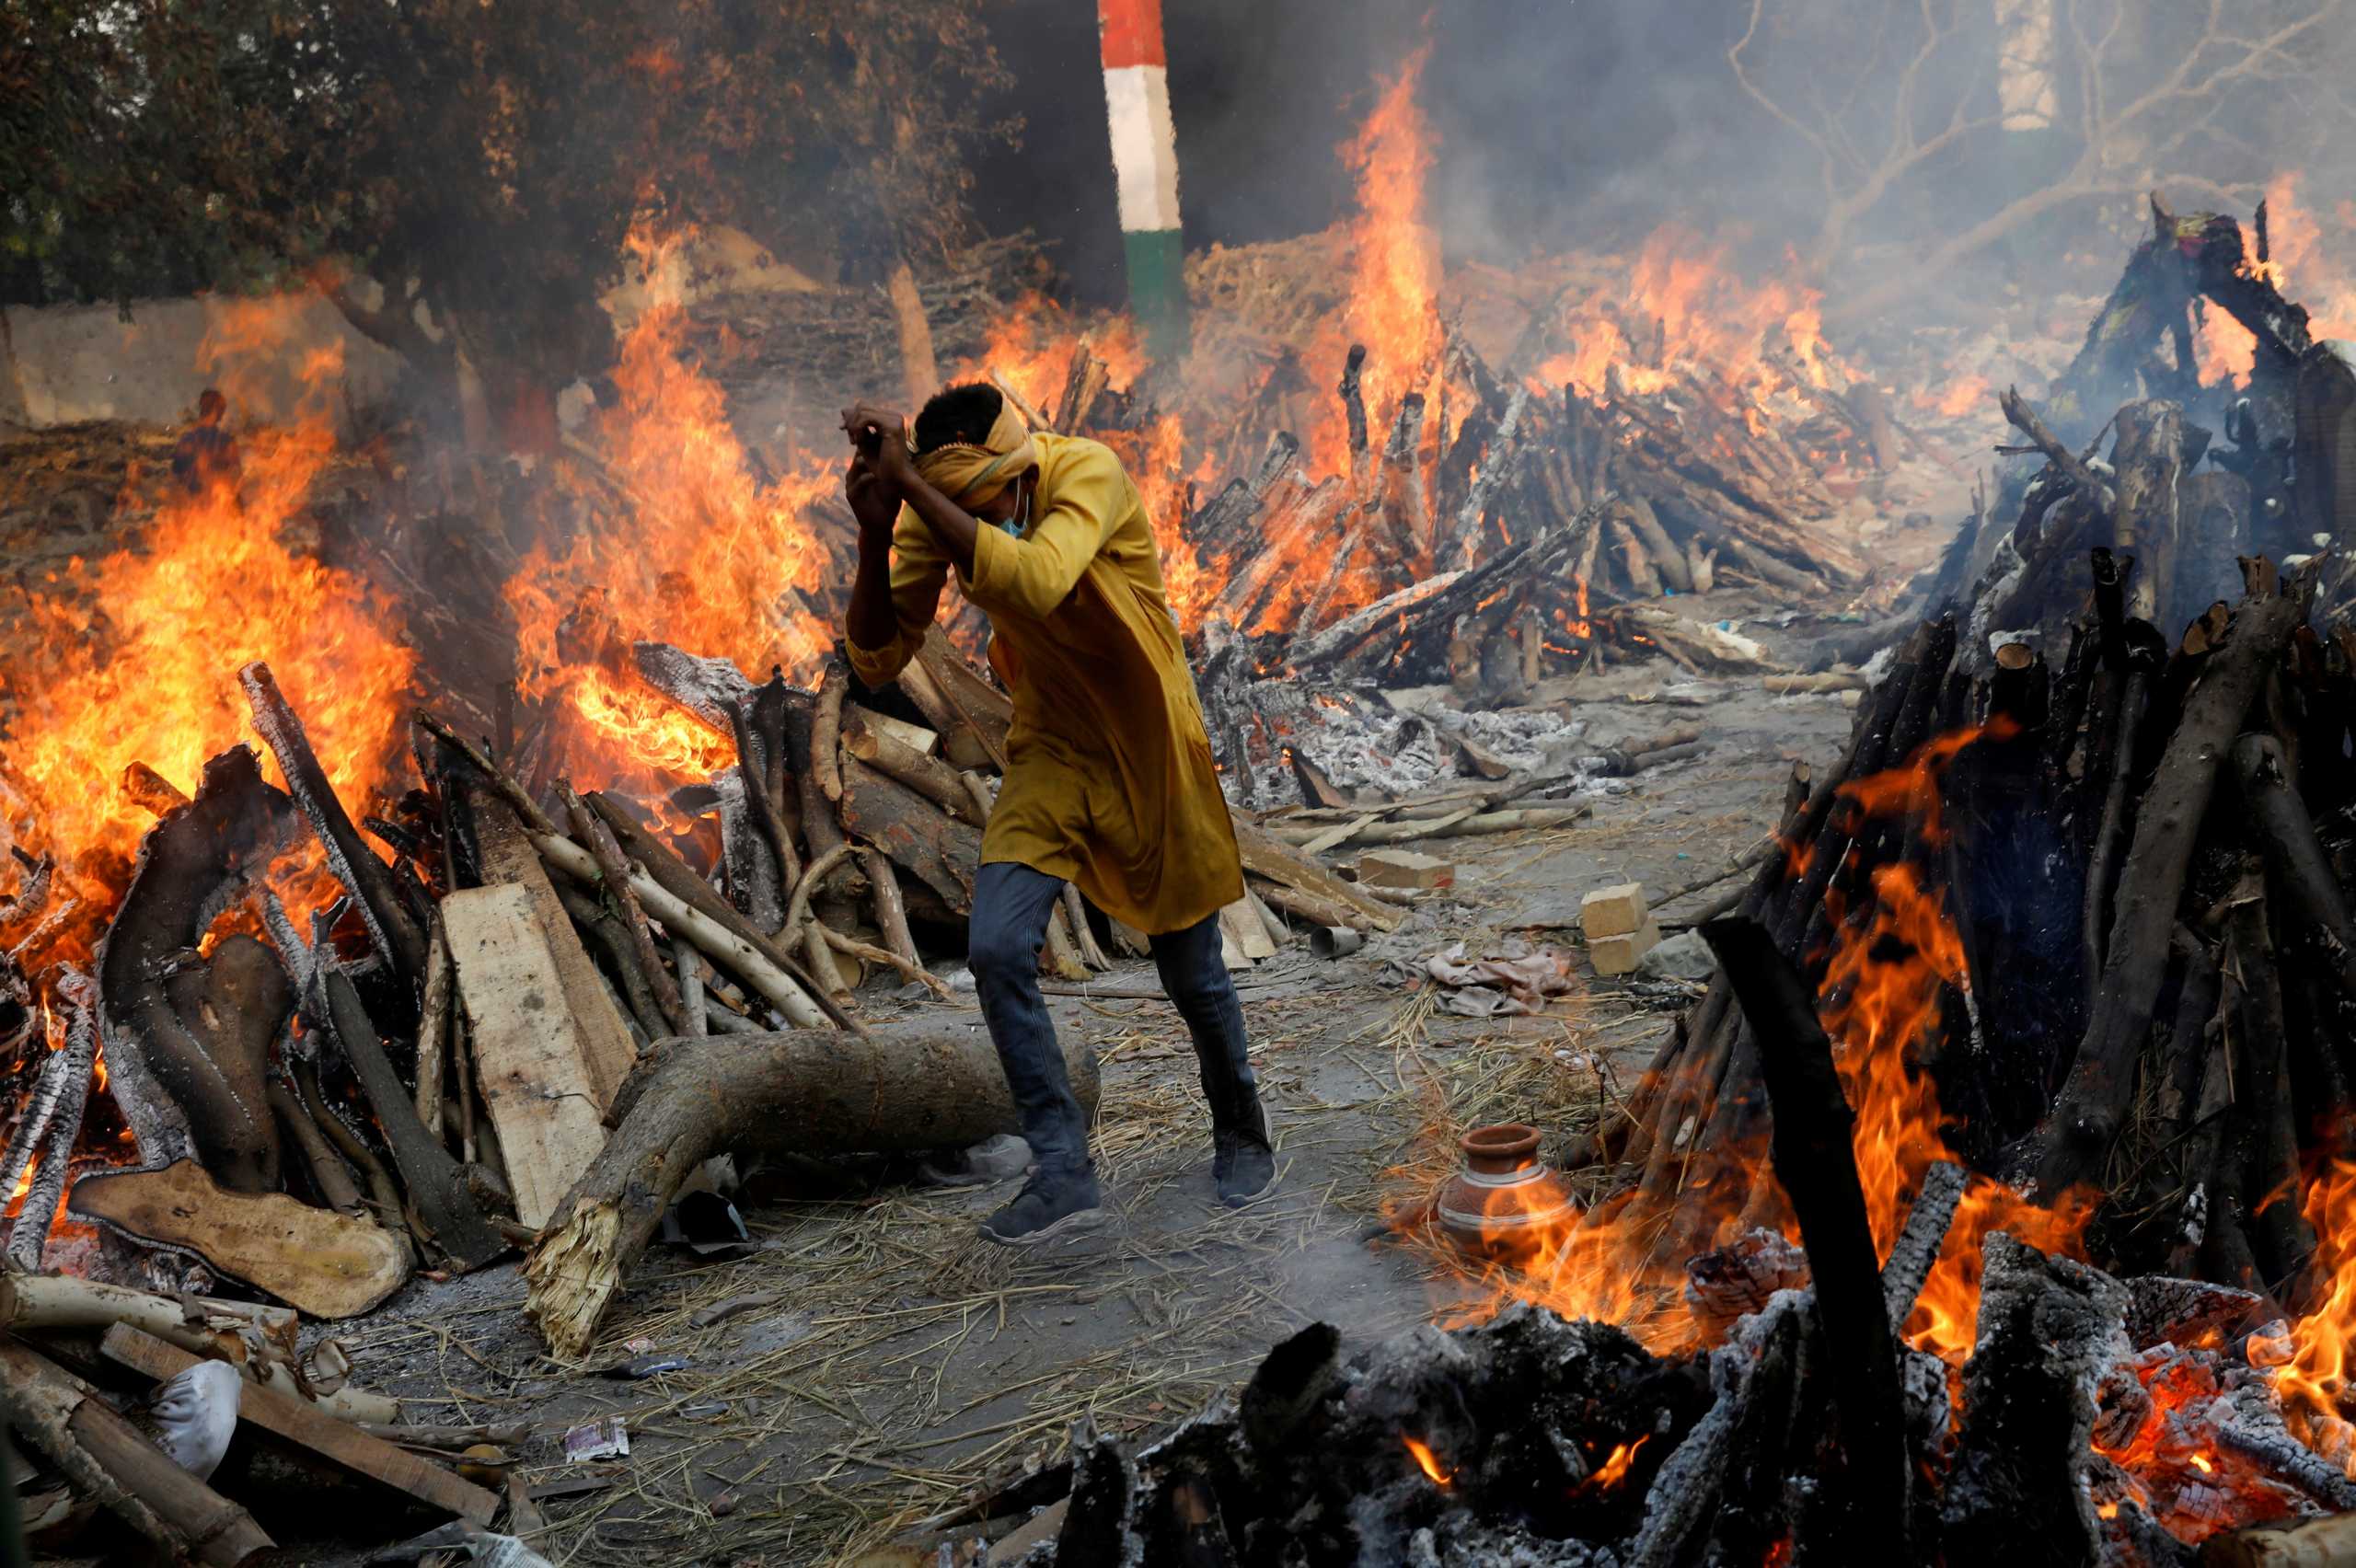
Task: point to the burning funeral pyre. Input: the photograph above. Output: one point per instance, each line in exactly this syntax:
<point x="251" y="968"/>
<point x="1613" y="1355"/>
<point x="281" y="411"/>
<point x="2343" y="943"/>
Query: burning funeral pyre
<point x="581" y="843"/>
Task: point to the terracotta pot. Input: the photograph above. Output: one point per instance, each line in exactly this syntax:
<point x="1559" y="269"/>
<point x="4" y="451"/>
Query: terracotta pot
<point x="1504" y="1200"/>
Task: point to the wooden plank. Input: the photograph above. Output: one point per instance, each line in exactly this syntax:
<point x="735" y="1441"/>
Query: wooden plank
<point x="339" y="1442"/>
<point x="529" y="1055"/>
<point x="1240" y="927"/>
<point x="328" y="1264"/>
<point x="607" y="1053"/>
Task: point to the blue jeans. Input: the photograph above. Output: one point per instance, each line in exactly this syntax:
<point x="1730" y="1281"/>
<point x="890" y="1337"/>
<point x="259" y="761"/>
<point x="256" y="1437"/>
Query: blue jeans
<point x="1011" y="907"/>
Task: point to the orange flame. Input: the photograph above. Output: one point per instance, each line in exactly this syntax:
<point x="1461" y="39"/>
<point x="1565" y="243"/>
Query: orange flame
<point x="221" y="579"/>
<point x="1614" y="1469"/>
<point x="1429" y="1462"/>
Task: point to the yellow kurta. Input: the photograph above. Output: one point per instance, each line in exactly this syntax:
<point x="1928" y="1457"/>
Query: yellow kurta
<point x="1109" y="780"/>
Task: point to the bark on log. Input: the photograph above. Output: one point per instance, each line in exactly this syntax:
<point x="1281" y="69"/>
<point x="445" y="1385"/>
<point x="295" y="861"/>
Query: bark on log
<point x="1816" y="1167"/>
<point x="825" y="727"/>
<point x="782" y="987"/>
<point x="234" y="1003"/>
<point x="761" y="768"/>
<point x="592" y="831"/>
<point x="941" y="852"/>
<point x="393" y="931"/>
<point x="672" y="874"/>
<point x="928" y="776"/>
<point x="2301" y="873"/>
<point x="51" y="1123"/>
<point x="808" y="1092"/>
<point x="436" y="1189"/>
<point x="434" y="1029"/>
<point x="2089" y="1112"/>
<point x="1917" y="1247"/>
<point x="191" y="865"/>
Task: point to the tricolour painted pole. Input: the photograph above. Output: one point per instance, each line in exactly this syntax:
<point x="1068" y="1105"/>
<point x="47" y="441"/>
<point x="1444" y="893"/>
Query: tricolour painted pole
<point x="1145" y="164"/>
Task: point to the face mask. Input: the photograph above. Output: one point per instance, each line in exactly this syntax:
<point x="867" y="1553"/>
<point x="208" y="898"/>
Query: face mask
<point x="1021" y="519"/>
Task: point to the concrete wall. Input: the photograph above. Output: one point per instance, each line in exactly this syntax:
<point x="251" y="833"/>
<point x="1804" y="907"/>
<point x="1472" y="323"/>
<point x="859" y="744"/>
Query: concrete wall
<point x="278" y="358"/>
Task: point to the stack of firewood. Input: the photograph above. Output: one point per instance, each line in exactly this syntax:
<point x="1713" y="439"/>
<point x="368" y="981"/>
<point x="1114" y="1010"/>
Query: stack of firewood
<point x="432" y="1072"/>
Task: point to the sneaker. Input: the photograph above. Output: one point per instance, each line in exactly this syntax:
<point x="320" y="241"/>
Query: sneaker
<point x="1048" y="1208"/>
<point x="1243" y="1168"/>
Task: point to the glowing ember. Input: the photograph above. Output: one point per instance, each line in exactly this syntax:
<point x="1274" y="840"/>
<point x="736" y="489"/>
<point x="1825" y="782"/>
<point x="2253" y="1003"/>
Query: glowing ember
<point x="1614" y="1469"/>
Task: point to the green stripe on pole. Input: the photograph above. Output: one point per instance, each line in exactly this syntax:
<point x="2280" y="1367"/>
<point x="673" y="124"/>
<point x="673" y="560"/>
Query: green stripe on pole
<point x="1157" y="259"/>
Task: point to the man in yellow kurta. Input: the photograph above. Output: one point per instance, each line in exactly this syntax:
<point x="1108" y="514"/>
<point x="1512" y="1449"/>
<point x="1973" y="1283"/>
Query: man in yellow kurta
<point x="1109" y="780"/>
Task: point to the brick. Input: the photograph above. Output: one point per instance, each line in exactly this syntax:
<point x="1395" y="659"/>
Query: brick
<point x="1404" y="868"/>
<point x="1617" y="955"/>
<point x="1612" y="911"/>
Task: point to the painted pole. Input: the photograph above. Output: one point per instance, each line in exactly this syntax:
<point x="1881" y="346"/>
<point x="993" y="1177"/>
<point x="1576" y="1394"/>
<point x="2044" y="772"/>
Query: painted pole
<point x="1145" y="166"/>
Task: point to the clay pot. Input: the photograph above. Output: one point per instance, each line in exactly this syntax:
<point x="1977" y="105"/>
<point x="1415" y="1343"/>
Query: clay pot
<point x="1505" y="1200"/>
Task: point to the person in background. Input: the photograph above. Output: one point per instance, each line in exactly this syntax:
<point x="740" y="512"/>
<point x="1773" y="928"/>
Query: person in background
<point x="205" y="455"/>
<point x="1109" y="780"/>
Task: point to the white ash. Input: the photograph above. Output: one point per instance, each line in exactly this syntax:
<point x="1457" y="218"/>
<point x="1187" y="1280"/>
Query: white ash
<point x="1362" y="744"/>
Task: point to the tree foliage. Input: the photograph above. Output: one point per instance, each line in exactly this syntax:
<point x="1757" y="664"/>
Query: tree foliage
<point x="486" y="160"/>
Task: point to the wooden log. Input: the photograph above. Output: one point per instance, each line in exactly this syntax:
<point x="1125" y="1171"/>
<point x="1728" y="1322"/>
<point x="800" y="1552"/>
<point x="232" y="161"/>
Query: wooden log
<point x="1274" y="861"/>
<point x="344" y="1446"/>
<point x="825" y="727"/>
<point x="328" y="1264"/>
<point x="940" y="851"/>
<point x="751" y="870"/>
<point x="599" y="922"/>
<point x="891" y="910"/>
<point x="2295" y="860"/>
<point x="2260" y="1156"/>
<point x="591" y="832"/>
<point x="2091" y="1108"/>
<point x="971" y="715"/>
<point x="691" y="1000"/>
<point x="2141" y="656"/>
<point x="436" y="1189"/>
<point x="782" y="987"/>
<point x="527" y="1054"/>
<point x="384" y="1193"/>
<point x="761" y="772"/>
<point x="1667" y="561"/>
<point x="1912" y="1255"/>
<point x="1817" y="1166"/>
<point x="176" y="1100"/>
<point x="2148" y="460"/>
<point x="108" y="1460"/>
<point x="2327" y="1542"/>
<point x="671" y="875"/>
<point x="821" y="818"/>
<point x="434" y="1029"/>
<point x="329" y="1175"/>
<point x="807" y="1092"/>
<point x="51" y="1124"/>
<point x="928" y="776"/>
<point x="1400" y="505"/>
<point x="882" y="958"/>
<point x="395" y="934"/>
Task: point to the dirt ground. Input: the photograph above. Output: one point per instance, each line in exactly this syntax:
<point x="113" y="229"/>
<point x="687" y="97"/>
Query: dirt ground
<point x="904" y="1365"/>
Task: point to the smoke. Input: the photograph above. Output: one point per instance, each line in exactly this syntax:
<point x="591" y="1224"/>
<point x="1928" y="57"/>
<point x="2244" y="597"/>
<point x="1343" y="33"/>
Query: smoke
<point x="1585" y="123"/>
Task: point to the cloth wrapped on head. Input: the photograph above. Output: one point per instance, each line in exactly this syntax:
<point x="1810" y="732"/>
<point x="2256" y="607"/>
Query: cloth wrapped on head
<point x="972" y="475"/>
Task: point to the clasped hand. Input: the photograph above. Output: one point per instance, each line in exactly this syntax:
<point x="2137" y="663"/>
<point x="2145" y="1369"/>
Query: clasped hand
<point x="876" y="482"/>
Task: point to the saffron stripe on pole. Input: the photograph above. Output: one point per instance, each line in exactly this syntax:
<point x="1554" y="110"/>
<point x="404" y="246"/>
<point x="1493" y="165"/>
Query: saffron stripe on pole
<point x="1132" y="33"/>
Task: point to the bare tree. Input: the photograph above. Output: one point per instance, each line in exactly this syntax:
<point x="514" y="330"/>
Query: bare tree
<point x="1906" y="114"/>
